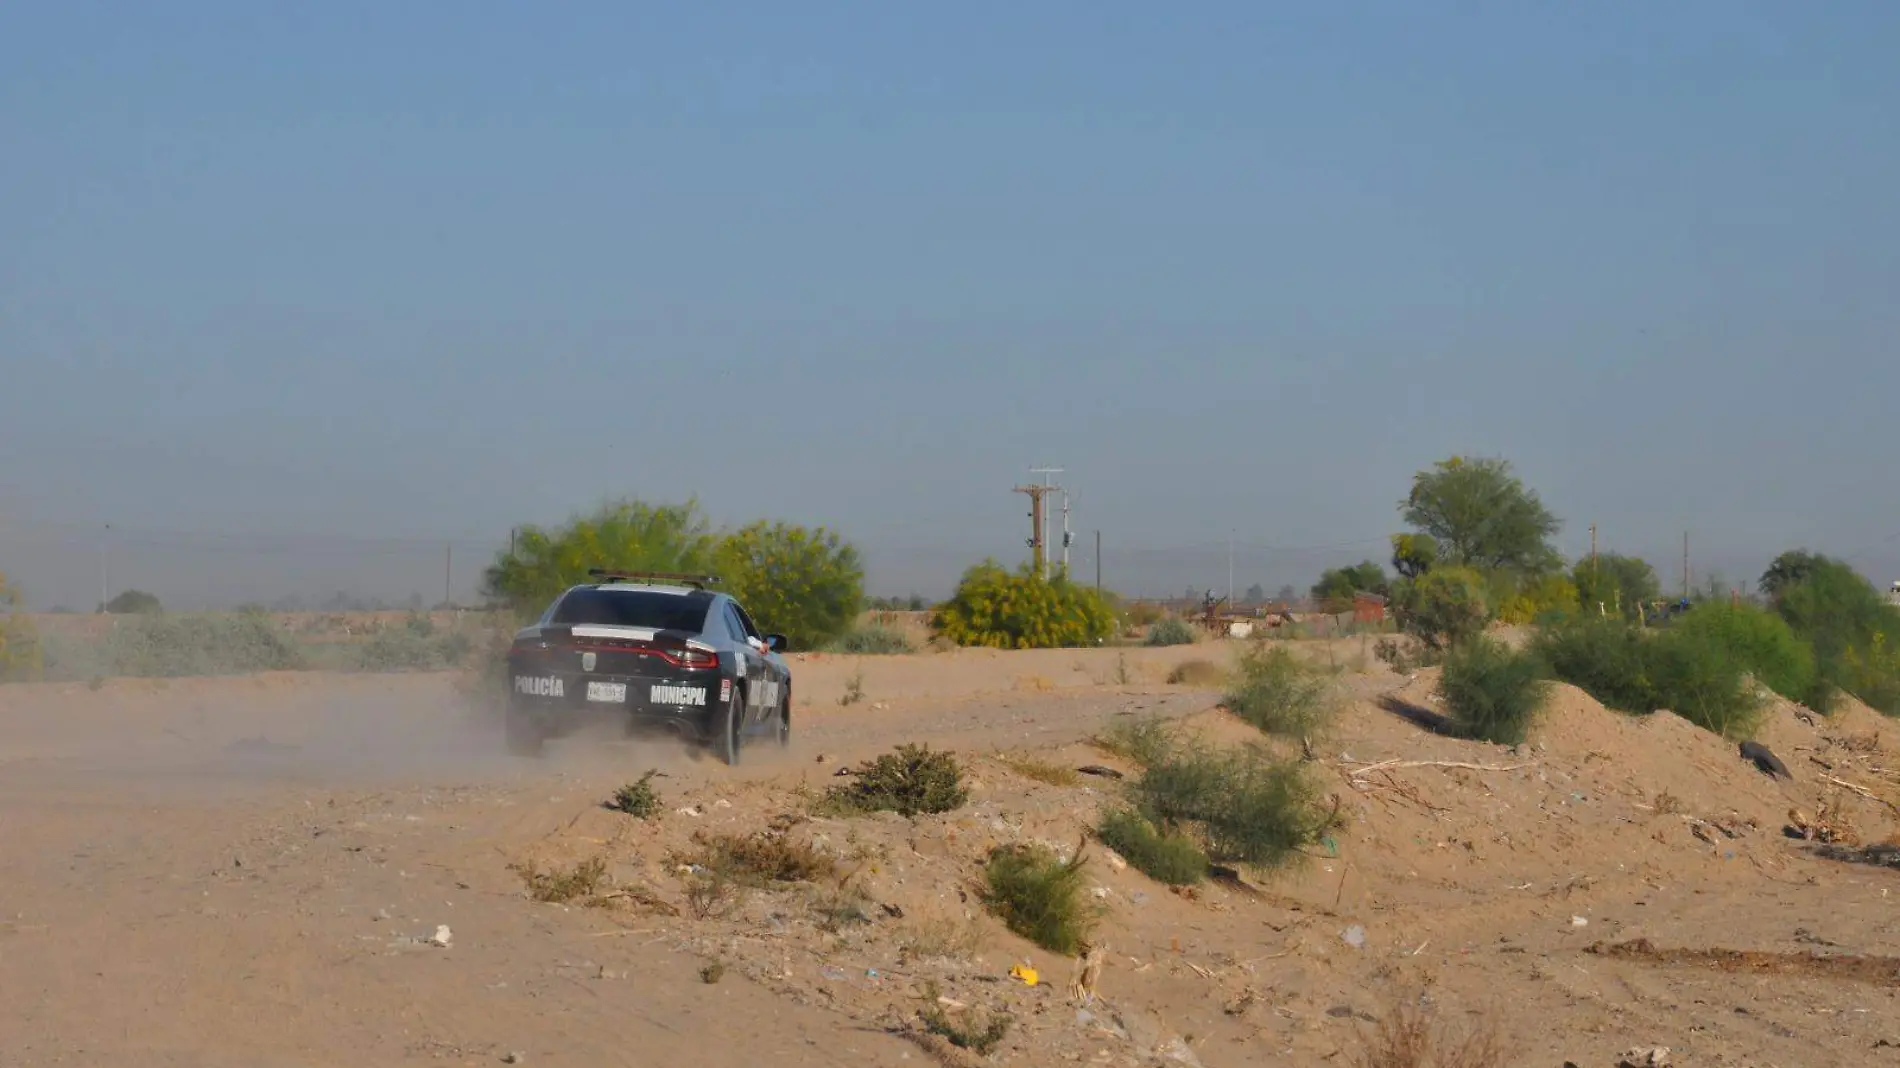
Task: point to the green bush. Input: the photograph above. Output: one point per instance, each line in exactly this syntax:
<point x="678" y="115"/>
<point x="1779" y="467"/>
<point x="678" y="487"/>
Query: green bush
<point x="1039" y="896"/>
<point x="1443" y="606"/>
<point x="1702" y="682"/>
<point x="911" y="781"/>
<point x="996" y="609"/>
<point x="1847" y="623"/>
<point x="1760" y="641"/>
<point x="1170" y="631"/>
<point x="1606" y="658"/>
<point x="1247" y="807"/>
<point x="172" y="646"/>
<point x="1174" y="859"/>
<point x="1638" y="671"/>
<point x="416" y="645"/>
<point x="873" y="639"/>
<point x="805" y="583"/>
<point x="1281" y="694"/>
<point x="1144" y="740"/>
<point x="1492" y="691"/>
<point x="626" y="535"/>
<point x="638" y="798"/>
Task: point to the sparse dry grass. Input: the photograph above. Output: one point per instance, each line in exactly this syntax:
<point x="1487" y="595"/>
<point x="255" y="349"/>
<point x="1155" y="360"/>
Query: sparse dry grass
<point x="940" y="938"/>
<point x="560" y="886"/>
<point x="1406" y="1038"/>
<point x="1037" y="770"/>
<point x="978" y="1032"/>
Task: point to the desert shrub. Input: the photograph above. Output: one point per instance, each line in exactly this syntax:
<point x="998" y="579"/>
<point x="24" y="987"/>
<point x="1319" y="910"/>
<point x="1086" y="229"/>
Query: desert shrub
<point x="21" y="658"/>
<point x="1846" y="622"/>
<point x="806" y="583"/>
<point x="1174" y="859"/>
<point x="1605" y="657"/>
<point x="561" y="885"/>
<point x="1196" y="673"/>
<point x="1247" y="807"/>
<point x="1638" y="671"/>
<point x="1170" y="631"/>
<point x="1704" y="683"/>
<point x="172" y="646"/>
<point x="980" y="1033"/>
<point x="638" y="798"/>
<point x="762" y="859"/>
<point x="1141" y="614"/>
<point x="1760" y="641"/>
<point x="873" y="639"/>
<point x="1143" y="740"/>
<point x="1493" y="691"/>
<point x="1406" y="1038"/>
<point x="1040" y="896"/>
<point x="998" y="609"/>
<point x="1281" y="694"/>
<point x="1443" y="606"/>
<point x="417" y="644"/>
<point x="911" y="781"/>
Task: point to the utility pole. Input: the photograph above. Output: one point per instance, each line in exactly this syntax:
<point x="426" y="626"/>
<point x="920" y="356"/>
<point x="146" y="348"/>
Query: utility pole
<point x="1098" y="561"/>
<point x="1067" y="538"/>
<point x="105" y="593"/>
<point x="1593" y="548"/>
<point x="1685" y="565"/>
<point x="1230" y="570"/>
<point x="448" y="573"/>
<point x="1039" y="515"/>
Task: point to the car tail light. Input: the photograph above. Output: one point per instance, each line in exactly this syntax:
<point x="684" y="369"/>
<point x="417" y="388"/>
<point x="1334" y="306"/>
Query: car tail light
<point x="696" y="659"/>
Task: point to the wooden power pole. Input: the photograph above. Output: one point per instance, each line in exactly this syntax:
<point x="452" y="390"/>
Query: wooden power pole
<point x="1037" y="495"/>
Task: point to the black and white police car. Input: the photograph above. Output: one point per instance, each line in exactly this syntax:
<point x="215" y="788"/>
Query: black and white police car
<point x="662" y="651"/>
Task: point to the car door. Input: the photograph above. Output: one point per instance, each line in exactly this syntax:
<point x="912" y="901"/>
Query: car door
<point x="751" y="647"/>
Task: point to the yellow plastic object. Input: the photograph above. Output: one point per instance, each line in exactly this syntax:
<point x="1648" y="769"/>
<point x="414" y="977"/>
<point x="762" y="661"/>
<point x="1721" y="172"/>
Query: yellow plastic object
<point x="1025" y="973"/>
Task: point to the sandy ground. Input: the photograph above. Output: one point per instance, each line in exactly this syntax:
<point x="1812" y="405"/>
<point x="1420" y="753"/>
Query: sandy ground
<point x="247" y="872"/>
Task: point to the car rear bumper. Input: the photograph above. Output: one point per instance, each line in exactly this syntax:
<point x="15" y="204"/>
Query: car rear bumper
<point x="687" y="699"/>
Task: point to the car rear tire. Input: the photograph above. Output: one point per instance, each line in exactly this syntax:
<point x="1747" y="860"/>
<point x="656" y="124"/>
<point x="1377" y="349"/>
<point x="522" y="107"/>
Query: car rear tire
<point x="731" y="722"/>
<point x="527" y="734"/>
<point x="784" y="729"/>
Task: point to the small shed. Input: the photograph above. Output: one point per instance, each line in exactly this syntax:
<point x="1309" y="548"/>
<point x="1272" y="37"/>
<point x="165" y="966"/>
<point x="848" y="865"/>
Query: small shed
<point x="1368" y="608"/>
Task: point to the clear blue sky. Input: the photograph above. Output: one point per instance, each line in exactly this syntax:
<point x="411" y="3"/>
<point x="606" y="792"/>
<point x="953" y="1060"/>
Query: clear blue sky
<point x="275" y="283"/>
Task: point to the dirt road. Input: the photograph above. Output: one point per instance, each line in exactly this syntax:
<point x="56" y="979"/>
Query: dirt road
<point x="250" y="871"/>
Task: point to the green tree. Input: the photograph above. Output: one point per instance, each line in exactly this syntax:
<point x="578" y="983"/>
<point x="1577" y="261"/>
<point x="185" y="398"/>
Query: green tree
<point x="1482" y="516"/>
<point x="1444" y="606"/>
<point x="625" y="535"/>
<point x="1413" y="554"/>
<point x="804" y="583"/>
<point x="1621" y="584"/>
<point x="1846" y="621"/>
<point x="998" y="609"/>
<point x="1336" y="586"/>
<point x="134" y="602"/>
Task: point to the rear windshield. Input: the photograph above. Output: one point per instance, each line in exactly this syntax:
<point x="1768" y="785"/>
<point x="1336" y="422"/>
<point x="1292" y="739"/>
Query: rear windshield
<point x="634" y="608"/>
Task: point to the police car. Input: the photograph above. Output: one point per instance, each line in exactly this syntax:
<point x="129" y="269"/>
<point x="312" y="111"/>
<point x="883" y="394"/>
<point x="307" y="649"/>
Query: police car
<point x="661" y="652"/>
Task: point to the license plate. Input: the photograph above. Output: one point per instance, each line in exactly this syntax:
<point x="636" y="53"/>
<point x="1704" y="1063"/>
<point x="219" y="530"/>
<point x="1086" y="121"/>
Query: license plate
<point x="615" y="692"/>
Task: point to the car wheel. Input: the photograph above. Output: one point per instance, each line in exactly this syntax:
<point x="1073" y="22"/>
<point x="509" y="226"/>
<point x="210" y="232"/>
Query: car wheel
<point x="784" y="730"/>
<point x="731" y="721"/>
<point x="526" y="733"/>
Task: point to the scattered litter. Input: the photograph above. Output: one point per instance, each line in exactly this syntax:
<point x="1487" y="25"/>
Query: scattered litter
<point x="1025" y="974"/>
<point x="1645" y="1057"/>
<point x="1099" y="771"/>
<point x="722" y="803"/>
<point x="1100" y="893"/>
<point x="1355" y="936"/>
<point x="1579" y="921"/>
<point x="689" y="810"/>
<point x="516" y="1057"/>
<point x="1115" y="861"/>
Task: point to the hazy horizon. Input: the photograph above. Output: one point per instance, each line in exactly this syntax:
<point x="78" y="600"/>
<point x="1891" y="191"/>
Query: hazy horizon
<point x="299" y="302"/>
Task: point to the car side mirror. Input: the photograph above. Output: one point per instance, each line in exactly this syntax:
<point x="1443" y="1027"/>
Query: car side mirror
<point x="775" y="642"/>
